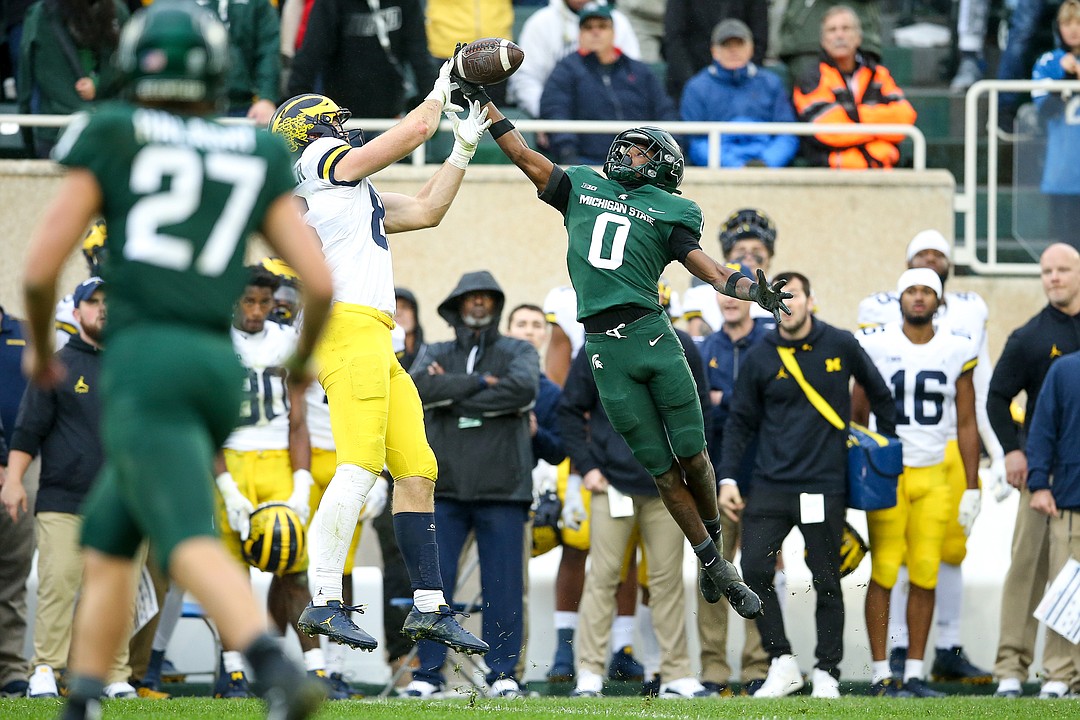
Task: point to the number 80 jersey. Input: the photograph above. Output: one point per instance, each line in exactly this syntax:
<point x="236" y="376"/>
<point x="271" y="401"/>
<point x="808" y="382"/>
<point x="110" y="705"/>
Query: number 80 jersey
<point x="264" y="412"/>
<point x="923" y="383"/>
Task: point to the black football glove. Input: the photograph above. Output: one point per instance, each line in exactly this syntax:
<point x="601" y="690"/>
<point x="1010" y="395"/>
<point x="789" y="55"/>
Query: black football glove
<point x="471" y="91"/>
<point x="770" y="297"/>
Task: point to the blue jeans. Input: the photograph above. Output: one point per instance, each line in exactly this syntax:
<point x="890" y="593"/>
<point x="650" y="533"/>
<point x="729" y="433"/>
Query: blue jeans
<point x="500" y="541"/>
<point x="1024" y="22"/>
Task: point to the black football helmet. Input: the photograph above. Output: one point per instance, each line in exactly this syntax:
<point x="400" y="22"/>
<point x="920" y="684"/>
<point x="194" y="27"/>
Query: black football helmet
<point x="173" y="51"/>
<point x="664" y="168"/>
<point x="748" y="223"/>
<point x="304" y="118"/>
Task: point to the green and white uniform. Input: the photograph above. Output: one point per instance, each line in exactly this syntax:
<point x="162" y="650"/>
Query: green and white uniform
<point x="620" y="241"/>
<point x="180" y="196"/>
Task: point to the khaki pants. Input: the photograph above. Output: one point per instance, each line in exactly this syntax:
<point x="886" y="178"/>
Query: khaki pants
<point x="16" y="556"/>
<point x="1025" y="584"/>
<point x="664" y="549"/>
<point x="1064" y="543"/>
<point x="712" y="622"/>
<point x="60" y="567"/>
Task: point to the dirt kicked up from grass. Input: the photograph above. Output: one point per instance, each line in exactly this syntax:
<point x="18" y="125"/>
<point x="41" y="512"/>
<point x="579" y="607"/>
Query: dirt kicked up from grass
<point x="543" y="708"/>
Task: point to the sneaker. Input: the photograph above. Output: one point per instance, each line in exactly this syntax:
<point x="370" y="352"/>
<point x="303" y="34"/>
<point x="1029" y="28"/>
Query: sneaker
<point x="441" y="627"/>
<point x="783" y="679"/>
<point x="1009" y="688"/>
<point x="169" y="673"/>
<point x="968" y="73"/>
<point x="624" y="666"/>
<point x="333" y="621"/>
<point x="752" y="686"/>
<point x="233" y="685"/>
<point x="561" y="672"/>
<point x="149" y="693"/>
<point x="420" y="690"/>
<point x="119" y="690"/>
<point x="506" y="688"/>
<point x="918" y="688"/>
<point x="15" y="688"/>
<point x="952" y="665"/>
<point x="825" y="685"/>
<point x="333" y="691"/>
<point x="651" y="688"/>
<point x="687" y="687"/>
<point x="716" y="689"/>
<point x="42" y="683"/>
<point x="897" y="658"/>
<point x="890" y="687"/>
<point x="589" y="684"/>
<point x="1053" y="690"/>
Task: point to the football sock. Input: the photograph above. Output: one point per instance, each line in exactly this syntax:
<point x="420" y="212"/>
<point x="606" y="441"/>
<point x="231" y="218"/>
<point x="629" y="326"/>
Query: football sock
<point x="622" y="632"/>
<point x="898" y="630"/>
<point x="950" y="600"/>
<point x="332" y="529"/>
<point x="171" y="609"/>
<point x="415" y="533"/>
<point x="649" y="650"/>
<point x="314" y="660"/>
<point x="707" y="553"/>
<point x="566" y="620"/>
<point x="713" y="527"/>
<point x="879" y="670"/>
<point x="82" y="690"/>
<point x="428" y="600"/>
<point x="233" y="661"/>
<point x="913" y="669"/>
<point x="335" y="657"/>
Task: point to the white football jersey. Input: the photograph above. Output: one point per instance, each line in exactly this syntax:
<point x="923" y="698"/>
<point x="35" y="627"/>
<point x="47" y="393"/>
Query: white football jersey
<point x="348" y="216"/>
<point x="318" y="418"/>
<point x="923" y="383"/>
<point x="66" y="324"/>
<point x="964" y="312"/>
<point x="264" y="413"/>
<point x="560" y="307"/>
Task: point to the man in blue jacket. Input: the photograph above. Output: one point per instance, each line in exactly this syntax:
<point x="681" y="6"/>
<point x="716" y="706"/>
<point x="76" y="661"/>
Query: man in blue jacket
<point x="734" y="89"/>
<point x="598" y="82"/>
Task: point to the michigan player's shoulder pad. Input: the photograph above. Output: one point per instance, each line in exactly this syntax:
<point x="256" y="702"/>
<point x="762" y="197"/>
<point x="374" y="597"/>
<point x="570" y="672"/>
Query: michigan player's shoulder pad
<point x="319" y="158"/>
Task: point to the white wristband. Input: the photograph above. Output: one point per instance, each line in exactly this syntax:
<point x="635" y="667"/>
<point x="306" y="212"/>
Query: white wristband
<point x="460" y="156"/>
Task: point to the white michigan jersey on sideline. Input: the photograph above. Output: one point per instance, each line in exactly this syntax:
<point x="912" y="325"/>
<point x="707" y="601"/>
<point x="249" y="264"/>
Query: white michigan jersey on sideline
<point x="264" y="413"/>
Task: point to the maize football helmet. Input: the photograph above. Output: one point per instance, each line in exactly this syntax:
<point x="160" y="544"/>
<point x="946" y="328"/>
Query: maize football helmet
<point x="748" y="223"/>
<point x="852" y="550"/>
<point x="277" y="543"/>
<point x="173" y="51"/>
<point x="546" y="535"/>
<point x="93" y="247"/>
<point x="664" y="167"/>
<point x="304" y="118"/>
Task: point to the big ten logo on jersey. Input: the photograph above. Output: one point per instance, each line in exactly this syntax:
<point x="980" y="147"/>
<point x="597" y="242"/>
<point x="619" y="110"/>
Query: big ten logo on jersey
<point x="264" y="396"/>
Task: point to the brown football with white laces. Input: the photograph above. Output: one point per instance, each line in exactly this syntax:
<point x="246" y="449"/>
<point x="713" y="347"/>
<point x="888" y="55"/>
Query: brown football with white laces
<point x="488" y="61"/>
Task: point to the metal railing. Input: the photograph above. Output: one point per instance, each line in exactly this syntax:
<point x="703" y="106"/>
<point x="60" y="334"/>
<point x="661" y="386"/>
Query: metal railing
<point x="966" y="200"/>
<point x="713" y="130"/>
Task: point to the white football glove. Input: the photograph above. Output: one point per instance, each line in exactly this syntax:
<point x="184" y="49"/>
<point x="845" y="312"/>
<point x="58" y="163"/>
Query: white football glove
<point x="573" y="509"/>
<point x="300" y="500"/>
<point x="376" y="500"/>
<point x="993" y="478"/>
<point x="238" y="508"/>
<point x="970" y="505"/>
<point x="467" y="134"/>
<point x="440" y="91"/>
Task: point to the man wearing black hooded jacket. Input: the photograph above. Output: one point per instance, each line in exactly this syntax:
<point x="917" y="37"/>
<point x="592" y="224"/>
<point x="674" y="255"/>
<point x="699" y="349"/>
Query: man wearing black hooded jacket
<point x="477" y="391"/>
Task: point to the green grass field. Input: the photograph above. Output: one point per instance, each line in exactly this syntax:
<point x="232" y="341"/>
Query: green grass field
<point x="539" y="708"/>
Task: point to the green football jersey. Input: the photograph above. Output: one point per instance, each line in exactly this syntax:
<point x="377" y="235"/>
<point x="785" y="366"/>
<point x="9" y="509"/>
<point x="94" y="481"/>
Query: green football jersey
<point x="180" y="196"/>
<point x="618" y="240"/>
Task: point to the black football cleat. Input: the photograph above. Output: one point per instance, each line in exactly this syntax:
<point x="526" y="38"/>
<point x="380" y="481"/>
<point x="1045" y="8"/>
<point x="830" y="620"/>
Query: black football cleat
<point x="724" y="577"/>
<point x="333" y="621"/>
<point x="744" y="600"/>
<point x="952" y="665"/>
<point x="708" y="588"/>
<point x="890" y="687"/>
<point x="441" y="627"/>
<point x="918" y="688"/>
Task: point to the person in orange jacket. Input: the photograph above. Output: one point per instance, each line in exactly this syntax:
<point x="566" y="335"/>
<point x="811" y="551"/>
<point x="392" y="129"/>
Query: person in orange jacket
<point x="848" y="87"/>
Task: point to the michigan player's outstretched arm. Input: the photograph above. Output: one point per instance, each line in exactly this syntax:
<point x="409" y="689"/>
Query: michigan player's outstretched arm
<point x="398" y="142"/>
<point x="77" y="202"/>
<point x="297" y="244"/>
<point x="429" y="206"/>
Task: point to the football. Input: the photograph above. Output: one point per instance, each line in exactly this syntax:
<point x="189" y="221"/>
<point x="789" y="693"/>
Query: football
<point x="488" y="61"/>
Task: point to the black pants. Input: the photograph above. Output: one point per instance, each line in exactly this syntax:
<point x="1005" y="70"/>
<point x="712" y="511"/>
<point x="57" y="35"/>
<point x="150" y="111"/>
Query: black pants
<point x="769" y="517"/>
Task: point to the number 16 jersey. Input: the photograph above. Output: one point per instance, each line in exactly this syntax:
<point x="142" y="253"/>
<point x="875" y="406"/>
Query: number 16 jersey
<point x="922" y="378"/>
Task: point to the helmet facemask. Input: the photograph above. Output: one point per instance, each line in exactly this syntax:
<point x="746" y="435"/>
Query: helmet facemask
<point x="662" y="168"/>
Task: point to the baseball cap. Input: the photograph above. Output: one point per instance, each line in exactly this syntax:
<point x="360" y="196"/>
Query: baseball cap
<point x="85" y="289"/>
<point x="729" y="29"/>
<point x="928" y="240"/>
<point x="919" y="276"/>
<point x="594" y="9"/>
